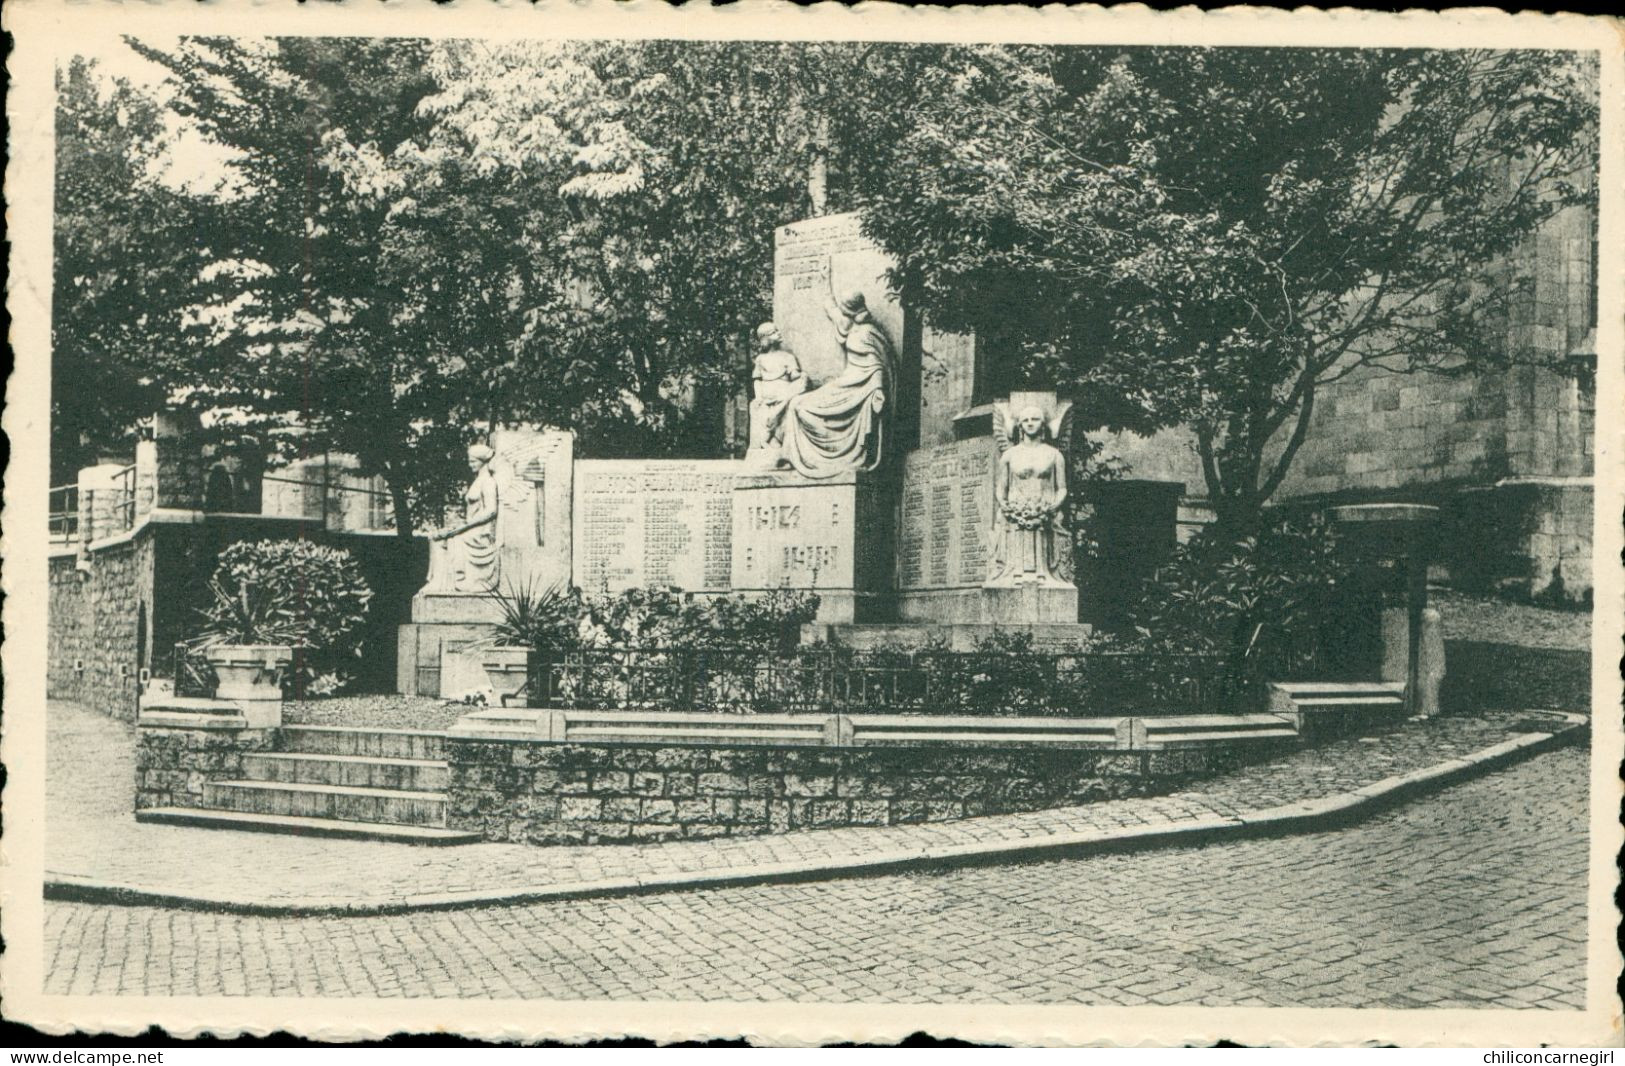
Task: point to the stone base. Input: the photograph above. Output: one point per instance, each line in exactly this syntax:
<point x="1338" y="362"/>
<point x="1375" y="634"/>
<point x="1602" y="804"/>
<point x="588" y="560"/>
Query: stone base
<point x="1396" y="655"/>
<point x="1030" y="605"/>
<point x="455" y="607"/>
<point x="832" y="537"/>
<point x="953" y="637"/>
<point x="442" y="658"/>
<point x="1026" y="605"/>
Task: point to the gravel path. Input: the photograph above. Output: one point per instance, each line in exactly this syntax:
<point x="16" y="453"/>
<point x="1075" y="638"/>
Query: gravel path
<point x="1501" y="622"/>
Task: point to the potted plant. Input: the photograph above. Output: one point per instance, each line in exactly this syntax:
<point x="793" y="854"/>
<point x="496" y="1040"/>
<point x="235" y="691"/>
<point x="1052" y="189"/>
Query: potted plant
<point x="270" y="600"/>
<point x="248" y="640"/>
<point x="535" y="623"/>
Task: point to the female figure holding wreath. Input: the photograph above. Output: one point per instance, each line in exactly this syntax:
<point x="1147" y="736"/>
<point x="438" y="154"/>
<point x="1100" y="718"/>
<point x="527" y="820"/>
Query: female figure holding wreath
<point x="1030" y="543"/>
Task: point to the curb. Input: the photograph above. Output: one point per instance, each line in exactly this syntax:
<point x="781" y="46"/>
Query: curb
<point x="1328" y="812"/>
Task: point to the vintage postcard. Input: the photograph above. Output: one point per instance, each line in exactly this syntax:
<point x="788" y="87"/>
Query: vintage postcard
<point x="1062" y="526"/>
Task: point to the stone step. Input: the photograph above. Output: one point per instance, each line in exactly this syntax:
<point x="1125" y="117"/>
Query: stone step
<point x="200" y="818"/>
<point x="1214" y="723"/>
<point x="1305" y="690"/>
<point x="342" y="802"/>
<point x="1349" y="702"/>
<point x="1208" y="736"/>
<point x="362" y="771"/>
<point x="376" y="743"/>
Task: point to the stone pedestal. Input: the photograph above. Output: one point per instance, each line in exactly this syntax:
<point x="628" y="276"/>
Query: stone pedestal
<point x="439" y="651"/>
<point x="441" y="658"/>
<point x="832" y="537"/>
<point x="1030" y="605"/>
<point x="1396" y="655"/>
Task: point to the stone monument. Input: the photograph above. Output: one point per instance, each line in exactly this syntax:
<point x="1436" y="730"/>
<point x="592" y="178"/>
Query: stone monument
<point x="513" y="532"/>
<point x="1030" y="566"/>
<point x="817" y="510"/>
<point x="643" y="522"/>
<point x="982" y="541"/>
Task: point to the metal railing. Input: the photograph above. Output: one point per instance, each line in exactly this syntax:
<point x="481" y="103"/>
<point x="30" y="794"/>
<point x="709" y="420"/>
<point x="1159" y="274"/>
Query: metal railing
<point x="64" y="514"/>
<point x="83" y="515"/>
<point x="836" y="680"/>
<point x="330" y="501"/>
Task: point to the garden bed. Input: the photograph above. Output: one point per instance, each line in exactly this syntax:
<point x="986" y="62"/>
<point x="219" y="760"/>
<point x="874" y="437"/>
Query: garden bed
<point x="374" y="712"/>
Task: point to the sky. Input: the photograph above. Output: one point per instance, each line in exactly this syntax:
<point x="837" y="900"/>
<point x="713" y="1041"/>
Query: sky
<point x="191" y="161"/>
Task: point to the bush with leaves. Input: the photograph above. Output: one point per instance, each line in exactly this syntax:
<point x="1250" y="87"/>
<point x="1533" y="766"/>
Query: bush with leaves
<point x="307" y="596"/>
<point x="1269" y="603"/>
<point x="660" y="617"/>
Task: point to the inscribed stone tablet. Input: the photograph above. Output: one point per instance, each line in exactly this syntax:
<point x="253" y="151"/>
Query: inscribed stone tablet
<point x="946" y="514"/>
<point x="642" y="522"/>
<point x="800" y="293"/>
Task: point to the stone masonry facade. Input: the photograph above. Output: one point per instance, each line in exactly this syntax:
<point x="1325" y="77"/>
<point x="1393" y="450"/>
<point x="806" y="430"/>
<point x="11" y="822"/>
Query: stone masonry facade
<point x="95" y="615"/>
<point x="172" y="765"/>
<point x="549" y="793"/>
<point x="1508" y="454"/>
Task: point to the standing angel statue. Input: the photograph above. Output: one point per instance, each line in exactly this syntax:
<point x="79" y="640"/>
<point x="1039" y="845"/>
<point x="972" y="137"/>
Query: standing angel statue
<point x="1030" y="543"/>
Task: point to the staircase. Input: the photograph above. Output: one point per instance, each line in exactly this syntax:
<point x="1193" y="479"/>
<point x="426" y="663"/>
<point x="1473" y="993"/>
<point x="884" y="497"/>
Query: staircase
<point x="1321" y="708"/>
<point x="325" y="781"/>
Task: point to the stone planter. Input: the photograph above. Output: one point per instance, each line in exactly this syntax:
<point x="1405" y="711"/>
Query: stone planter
<point x="508" y="668"/>
<point x="250" y="675"/>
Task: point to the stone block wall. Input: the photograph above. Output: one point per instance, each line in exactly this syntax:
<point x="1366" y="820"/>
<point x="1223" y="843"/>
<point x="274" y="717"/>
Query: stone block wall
<point x="172" y="765"/>
<point x="1521" y="439"/>
<point x="1379" y="432"/>
<point x="551" y="793"/>
<point x="1535" y="537"/>
<point x="1559" y="544"/>
<point x="95" y="612"/>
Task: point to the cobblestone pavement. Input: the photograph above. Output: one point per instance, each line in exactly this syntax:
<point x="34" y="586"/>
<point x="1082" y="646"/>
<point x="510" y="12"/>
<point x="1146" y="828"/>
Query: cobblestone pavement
<point x="1474" y="897"/>
<point x="91" y="832"/>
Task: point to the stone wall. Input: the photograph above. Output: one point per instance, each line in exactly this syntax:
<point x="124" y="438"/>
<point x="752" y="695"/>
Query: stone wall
<point x="1379" y="432"/>
<point x="97" y="612"/>
<point x="172" y="765"/>
<point x="551" y="793"/>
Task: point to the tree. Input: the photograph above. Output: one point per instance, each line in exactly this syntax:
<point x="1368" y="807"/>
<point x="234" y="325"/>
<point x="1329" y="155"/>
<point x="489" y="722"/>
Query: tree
<point x="1211" y="236"/>
<point x="122" y="253"/>
<point x="292" y="316"/>
<point x="412" y="241"/>
<point x="644" y="181"/>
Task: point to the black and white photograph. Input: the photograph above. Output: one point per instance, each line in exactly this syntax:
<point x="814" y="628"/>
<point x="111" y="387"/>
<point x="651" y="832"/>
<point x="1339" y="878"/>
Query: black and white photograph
<point x="813" y="524"/>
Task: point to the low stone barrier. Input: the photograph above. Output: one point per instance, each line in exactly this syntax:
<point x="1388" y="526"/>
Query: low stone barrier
<point x="190" y="742"/>
<point x="574" y="777"/>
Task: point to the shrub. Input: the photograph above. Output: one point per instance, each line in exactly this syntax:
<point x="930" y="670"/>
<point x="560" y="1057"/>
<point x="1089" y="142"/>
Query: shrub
<point x="1265" y="602"/>
<point x="291" y="592"/>
<point x="664" y="617"/>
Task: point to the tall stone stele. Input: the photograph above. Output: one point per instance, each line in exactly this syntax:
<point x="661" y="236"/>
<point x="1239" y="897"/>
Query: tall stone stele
<point x="814" y="508"/>
<point x="511" y="533"/>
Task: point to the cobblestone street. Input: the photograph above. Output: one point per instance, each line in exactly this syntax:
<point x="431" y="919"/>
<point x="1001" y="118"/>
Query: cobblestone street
<point x="1474" y="897"/>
